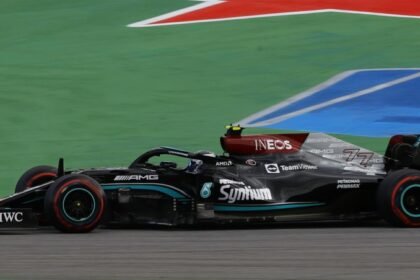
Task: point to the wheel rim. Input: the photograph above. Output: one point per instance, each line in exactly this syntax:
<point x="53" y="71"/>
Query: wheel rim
<point x="78" y="205"/>
<point x="410" y="201"/>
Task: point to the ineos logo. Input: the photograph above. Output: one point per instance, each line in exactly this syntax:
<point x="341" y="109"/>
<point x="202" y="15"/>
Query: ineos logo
<point x="10" y="217"/>
<point x="272" y="144"/>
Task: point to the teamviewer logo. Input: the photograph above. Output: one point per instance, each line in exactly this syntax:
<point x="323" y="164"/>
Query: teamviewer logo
<point x="272" y="168"/>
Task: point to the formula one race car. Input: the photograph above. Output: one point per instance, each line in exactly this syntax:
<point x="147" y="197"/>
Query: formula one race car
<point x="260" y="179"/>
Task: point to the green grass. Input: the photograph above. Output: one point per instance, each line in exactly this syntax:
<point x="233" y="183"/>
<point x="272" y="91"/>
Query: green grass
<point x="76" y="82"/>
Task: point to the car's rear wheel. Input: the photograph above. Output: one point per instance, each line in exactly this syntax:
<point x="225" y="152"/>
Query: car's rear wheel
<point x="398" y="198"/>
<point x="36" y="176"/>
<point x="75" y="203"/>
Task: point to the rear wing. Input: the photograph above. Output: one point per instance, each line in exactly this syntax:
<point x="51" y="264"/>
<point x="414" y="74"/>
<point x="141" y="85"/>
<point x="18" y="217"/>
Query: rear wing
<point x="403" y="151"/>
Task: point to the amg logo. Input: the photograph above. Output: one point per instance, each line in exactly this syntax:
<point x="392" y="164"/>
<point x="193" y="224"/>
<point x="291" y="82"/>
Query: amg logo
<point x="244" y="193"/>
<point x="272" y="145"/>
<point x="136" y="178"/>
<point x="11" y="217"/>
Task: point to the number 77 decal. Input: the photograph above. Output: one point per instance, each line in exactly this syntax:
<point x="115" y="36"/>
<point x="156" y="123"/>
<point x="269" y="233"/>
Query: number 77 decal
<point x="356" y="154"/>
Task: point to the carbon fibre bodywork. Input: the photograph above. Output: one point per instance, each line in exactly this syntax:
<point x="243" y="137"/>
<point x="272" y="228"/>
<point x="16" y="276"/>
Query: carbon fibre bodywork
<point x="261" y="178"/>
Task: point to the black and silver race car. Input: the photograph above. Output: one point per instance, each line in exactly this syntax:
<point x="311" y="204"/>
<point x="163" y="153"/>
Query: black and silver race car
<point x="264" y="178"/>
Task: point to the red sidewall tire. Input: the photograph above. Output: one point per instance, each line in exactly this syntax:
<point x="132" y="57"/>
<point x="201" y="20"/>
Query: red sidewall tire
<point x="36" y="176"/>
<point x="56" y="209"/>
<point x="390" y="201"/>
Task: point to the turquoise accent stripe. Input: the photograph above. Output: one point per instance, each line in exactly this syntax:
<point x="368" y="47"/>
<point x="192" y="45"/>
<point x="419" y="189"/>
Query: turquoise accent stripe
<point x="270" y="207"/>
<point x="402" y="201"/>
<point x="147" y="187"/>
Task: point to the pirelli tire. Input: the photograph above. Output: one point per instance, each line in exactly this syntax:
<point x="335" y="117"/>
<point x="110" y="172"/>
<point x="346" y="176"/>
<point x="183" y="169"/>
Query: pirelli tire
<point x="36" y="176"/>
<point x="75" y="203"/>
<point x="398" y="198"/>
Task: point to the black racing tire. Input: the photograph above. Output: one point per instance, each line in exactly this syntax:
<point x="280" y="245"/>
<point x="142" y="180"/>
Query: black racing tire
<point x="36" y="176"/>
<point x="398" y="198"/>
<point x="75" y="203"/>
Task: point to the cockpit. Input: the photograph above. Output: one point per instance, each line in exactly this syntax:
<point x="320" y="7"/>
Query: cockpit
<point x="192" y="162"/>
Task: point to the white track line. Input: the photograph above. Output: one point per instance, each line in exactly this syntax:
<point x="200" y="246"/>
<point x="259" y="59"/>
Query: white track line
<point x="147" y="22"/>
<point x="246" y="122"/>
<point x="312" y="91"/>
<point x="297" y="97"/>
<point x="208" y="3"/>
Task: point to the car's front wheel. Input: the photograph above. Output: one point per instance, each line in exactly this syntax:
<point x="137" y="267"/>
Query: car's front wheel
<point x="398" y="198"/>
<point x="75" y="203"/>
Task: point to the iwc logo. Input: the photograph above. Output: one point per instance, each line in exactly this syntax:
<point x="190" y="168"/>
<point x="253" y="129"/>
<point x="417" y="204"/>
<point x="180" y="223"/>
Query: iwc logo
<point x="206" y="190"/>
<point x="11" y="217"/>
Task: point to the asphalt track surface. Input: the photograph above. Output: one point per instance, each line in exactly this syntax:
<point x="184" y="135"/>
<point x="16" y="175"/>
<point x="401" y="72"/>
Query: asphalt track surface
<point x="286" y="252"/>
